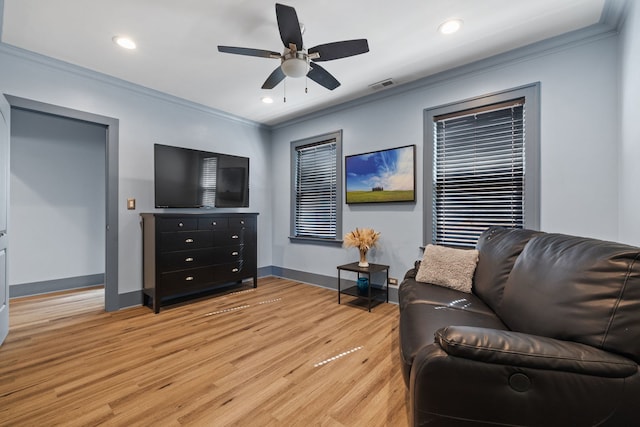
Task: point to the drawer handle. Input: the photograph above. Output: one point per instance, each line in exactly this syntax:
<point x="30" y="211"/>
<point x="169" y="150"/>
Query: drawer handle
<point x="180" y="224"/>
<point x="234" y="253"/>
<point x="235" y="270"/>
<point x="189" y="259"/>
<point x="242" y="221"/>
<point x="188" y="241"/>
<point x="189" y="278"/>
<point x="235" y="236"/>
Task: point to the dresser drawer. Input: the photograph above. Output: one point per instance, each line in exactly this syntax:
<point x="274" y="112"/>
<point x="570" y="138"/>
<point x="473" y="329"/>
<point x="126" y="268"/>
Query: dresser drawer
<point x="227" y="254"/>
<point x="231" y="236"/>
<point x="185" y="240"/>
<point x="177" y="224"/>
<point x="231" y="272"/>
<point x="186" y="280"/>
<point x="242" y="222"/>
<point x="170" y="261"/>
<point x="212" y="223"/>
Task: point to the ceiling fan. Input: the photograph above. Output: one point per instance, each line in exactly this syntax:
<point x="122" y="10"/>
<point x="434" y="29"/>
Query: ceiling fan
<point x="296" y="61"/>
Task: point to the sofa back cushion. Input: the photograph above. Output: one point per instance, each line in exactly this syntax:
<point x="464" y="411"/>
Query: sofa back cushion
<point x="576" y="289"/>
<point x="498" y="249"/>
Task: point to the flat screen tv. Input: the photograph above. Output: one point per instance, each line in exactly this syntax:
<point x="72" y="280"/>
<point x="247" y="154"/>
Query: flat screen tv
<point x="187" y="178"/>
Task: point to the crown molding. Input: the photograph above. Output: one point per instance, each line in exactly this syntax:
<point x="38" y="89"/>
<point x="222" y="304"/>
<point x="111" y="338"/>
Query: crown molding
<point x="614" y="13"/>
<point x="67" y="67"/>
<point x="553" y="45"/>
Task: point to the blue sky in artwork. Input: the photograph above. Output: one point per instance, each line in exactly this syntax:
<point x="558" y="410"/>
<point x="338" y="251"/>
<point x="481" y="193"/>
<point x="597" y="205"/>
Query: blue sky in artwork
<point x="389" y="169"/>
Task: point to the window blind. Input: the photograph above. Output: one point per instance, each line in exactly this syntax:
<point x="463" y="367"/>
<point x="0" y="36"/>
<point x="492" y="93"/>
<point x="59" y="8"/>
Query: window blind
<point x="208" y="181"/>
<point x="316" y="191"/>
<point x="478" y="172"/>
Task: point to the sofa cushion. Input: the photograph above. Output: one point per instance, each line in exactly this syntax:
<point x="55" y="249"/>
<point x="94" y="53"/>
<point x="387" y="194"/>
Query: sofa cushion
<point x="412" y="292"/>
<point x="448" y="267"/>
<point x="498" y="249"/>
<point x="576" y="289"/>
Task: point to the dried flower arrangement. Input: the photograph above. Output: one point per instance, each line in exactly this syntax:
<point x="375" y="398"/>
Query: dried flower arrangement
<point x="363" y="239"/>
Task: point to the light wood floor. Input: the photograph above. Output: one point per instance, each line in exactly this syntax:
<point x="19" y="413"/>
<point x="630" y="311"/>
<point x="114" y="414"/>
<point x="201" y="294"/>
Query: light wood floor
<point x="284" y="354"/>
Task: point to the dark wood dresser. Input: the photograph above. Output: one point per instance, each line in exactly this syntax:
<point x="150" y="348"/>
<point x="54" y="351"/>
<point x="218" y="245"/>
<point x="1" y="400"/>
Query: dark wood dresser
<point x="187" y="254"/>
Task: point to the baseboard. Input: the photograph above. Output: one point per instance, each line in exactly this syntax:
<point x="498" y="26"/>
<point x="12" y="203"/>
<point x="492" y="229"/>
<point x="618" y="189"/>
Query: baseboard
<point x="323" y="281"/>
<point x="132" y="299"/>
<point x="306" y="277"/>
<point x="265" y="271"/>
<point x="56" y="285"/>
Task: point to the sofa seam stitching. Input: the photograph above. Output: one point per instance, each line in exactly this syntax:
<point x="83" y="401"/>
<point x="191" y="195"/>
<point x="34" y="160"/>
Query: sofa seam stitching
<point x="618" y="300"/>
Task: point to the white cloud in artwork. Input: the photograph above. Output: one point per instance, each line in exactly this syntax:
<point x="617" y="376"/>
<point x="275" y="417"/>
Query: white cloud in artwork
<point x="395" y="175"/>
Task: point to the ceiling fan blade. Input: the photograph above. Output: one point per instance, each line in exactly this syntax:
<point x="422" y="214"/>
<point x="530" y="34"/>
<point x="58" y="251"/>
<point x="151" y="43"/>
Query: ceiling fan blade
<point x="322" y="77"/>
<point x="337" y="50"/>
<point x="289" y="26"/>
<point x="248" y="51"/>
<point x="274" y="78"/>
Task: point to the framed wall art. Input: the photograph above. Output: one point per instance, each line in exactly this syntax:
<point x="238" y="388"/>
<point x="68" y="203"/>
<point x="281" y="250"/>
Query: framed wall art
<point x="381" y="176"/>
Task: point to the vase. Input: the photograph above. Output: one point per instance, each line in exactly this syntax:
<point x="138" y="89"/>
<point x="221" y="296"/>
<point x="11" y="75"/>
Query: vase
<point x="363" y="286"/>
<point x="363" y="258"/>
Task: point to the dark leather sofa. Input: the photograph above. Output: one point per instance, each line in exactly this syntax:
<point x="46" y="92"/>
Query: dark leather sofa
<point x="549" y="336"/>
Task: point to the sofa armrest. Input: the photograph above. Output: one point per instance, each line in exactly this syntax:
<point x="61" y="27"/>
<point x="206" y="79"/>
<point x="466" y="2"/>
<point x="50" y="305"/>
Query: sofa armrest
<point x="531" y="351"/>
<point x="411" y="273"/>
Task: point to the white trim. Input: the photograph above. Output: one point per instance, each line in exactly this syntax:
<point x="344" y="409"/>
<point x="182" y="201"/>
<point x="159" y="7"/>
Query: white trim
<point x="543" y="48"/>
<point x="104" y="78"/>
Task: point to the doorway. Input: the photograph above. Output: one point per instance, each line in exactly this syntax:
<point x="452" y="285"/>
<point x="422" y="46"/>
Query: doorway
<point x="110" y="222"/>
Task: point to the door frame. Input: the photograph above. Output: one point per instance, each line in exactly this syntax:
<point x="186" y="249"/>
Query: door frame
<point x="5" y="129"/>
<point x="111" y="299"/>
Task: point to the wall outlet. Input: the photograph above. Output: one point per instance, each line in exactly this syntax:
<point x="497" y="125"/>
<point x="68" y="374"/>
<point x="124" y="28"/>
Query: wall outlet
<point x="393" y="281"/>
<point x="131" y="204"/>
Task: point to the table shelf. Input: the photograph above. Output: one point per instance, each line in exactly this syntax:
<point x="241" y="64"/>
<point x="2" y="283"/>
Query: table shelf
<point x="375" y="292"/>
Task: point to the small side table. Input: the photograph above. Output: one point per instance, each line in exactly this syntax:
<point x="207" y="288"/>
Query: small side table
<point x="373" y="294"/>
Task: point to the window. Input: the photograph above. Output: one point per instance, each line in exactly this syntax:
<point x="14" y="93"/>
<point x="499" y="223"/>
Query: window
<point x="316" y="188"/>
<point x="483" y="163"/>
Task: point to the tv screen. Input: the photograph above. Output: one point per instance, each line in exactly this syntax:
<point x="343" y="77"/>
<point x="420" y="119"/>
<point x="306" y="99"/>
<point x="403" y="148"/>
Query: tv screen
<point x="186" y="178"/>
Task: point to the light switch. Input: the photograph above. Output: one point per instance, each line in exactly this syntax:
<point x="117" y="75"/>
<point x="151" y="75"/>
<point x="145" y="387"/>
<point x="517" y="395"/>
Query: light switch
<point x="131" y="204"/>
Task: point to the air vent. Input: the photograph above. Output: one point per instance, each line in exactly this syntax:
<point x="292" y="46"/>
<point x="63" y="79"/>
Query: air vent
<point x="383" y="84"/>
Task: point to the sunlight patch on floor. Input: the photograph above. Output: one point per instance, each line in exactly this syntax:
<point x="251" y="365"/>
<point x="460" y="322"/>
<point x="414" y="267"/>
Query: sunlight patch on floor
<point x="270" y="301"/>
<point x="331" y="359"/>
<point x="227" y="310"/>
<point x="241" y="292"/>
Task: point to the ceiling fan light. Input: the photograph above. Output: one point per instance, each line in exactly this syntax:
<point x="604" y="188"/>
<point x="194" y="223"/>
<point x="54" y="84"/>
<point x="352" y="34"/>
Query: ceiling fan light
<point x="295" y="67"/>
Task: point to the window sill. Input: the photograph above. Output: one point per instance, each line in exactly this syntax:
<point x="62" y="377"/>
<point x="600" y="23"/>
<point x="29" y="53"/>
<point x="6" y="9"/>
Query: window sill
<point x="316" y="241"/>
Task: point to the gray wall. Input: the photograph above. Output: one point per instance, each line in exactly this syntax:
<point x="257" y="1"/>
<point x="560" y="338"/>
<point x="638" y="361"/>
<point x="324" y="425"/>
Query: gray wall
<point x="630" y="127"/>
<point x="57" y="204"/>
<point x="587" y="175"/>
<point x="145" y="117"/>
<point x="579" y="152"/>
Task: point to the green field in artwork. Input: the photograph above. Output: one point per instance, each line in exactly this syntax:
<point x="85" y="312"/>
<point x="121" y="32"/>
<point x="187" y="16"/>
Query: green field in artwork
<point x="379" y="196"/>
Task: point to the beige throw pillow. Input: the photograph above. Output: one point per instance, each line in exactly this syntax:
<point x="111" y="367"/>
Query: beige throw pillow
<point x="452" y="268"/>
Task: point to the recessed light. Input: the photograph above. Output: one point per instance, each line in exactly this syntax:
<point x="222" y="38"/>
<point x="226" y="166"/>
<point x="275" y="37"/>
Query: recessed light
<point x="267" y="100"/>
<point x="450" y="26"/>
<point x="124" y="42"/>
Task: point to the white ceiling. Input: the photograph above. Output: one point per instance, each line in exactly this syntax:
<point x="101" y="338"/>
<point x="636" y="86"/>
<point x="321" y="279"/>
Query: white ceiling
<point x="177" y="42"/>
